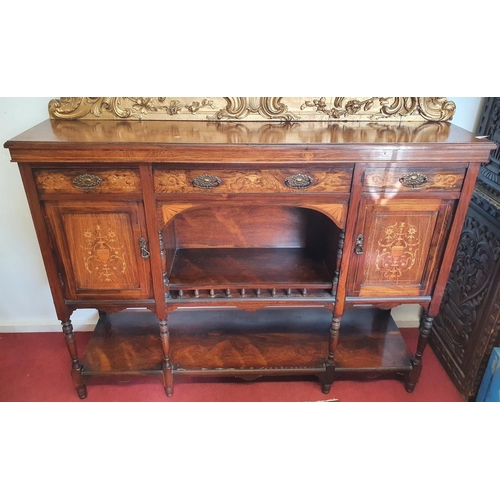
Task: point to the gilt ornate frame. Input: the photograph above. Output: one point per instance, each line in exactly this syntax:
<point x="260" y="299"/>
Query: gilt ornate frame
<point x="289" y="109"/>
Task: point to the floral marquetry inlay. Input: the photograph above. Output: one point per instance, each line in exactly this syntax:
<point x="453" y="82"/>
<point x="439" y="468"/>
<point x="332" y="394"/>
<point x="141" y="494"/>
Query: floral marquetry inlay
<point x="252" y="181"/>
<point x="397" y="251"/>
<point x="254" y="108"/>
<point x="76" y="181"/>
<point x="394" y="179"/>
<point x="103" y="254"/>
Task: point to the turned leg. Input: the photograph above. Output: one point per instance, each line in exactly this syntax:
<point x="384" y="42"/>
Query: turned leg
<point x="168" y="376"/>
<point x="330" y="362"/>
<point x="425" y="330"/>
<point x="76" y="367"/>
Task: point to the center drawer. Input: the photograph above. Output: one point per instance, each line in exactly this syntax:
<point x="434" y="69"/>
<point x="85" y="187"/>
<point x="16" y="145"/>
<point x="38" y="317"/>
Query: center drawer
<point x="207" y="179"/>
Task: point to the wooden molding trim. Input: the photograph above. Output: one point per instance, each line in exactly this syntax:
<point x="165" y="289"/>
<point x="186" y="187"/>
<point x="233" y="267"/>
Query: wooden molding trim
<point x="288" y="109"/>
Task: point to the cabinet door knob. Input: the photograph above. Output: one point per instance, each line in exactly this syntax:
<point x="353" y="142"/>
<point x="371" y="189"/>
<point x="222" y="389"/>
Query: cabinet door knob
<point x="87" y="182"/>
<point x="207" y="182"/>
<point x="299" y="181"/>
<point x="359" y="245"/>
<point x="144" y="248"/>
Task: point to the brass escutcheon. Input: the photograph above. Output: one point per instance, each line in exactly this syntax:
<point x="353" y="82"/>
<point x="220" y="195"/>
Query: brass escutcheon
<point x="87" y="182"/>
<point x="299" y="181"/>
<point x="207" y="182"/>
<point x="413" y="180"/>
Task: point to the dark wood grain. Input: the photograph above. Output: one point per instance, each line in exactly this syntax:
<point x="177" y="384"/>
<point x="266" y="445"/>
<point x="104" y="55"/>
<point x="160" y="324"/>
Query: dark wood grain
<point x="250" y="267"/>
<point x="128" y="342"/>
<point x="123" y="344"/>
<point x="251" y="226"/>
<point x="111" y="141"/>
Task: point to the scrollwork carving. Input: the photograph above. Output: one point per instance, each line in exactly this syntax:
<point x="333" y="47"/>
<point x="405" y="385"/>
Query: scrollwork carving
<point x="267" y="107"/>
<point x="287" y="109"/>
<point x="430" y="108"/>
<point x="477" y="254"/>
<point x="137" y="108"/>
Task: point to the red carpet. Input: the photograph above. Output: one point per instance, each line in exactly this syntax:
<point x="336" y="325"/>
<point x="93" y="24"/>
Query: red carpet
<point x="35" y="367"/>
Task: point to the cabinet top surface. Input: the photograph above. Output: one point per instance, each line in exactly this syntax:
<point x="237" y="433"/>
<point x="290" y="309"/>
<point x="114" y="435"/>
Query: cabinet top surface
<point x="139" y="140"/>
<point x="223" y="133"/>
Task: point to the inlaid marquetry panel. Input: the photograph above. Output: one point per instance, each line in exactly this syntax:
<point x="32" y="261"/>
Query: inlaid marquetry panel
<point x="400" y="179"/>
<point x="322" y="180"/>
<point x="78" y="180"/>
<point x="100" y="248"/>
<point x="397" y="254"/>
<point x="102" y="256"/>
<point x="335" y="211"/>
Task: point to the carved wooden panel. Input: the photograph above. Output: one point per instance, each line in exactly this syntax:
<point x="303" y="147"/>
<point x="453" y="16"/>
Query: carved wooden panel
<point x="78" y="180"/>
<point x="478" y="254"/>
<point x="395" y="178"/>
<point x="253" y="108"/>
<point x="396" y="246"/>
<point x="468" y="324"/>
<point x="99" y="247"/>
<point x="489" y="125"/>
<point x="327" y="180"/>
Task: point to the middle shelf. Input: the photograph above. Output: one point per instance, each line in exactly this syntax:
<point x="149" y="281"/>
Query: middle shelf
<point x="204" y="268"/>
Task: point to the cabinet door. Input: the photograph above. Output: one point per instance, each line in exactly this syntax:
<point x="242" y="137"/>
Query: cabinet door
<point x="398" y="247"/>
<point x="102" y="249"/>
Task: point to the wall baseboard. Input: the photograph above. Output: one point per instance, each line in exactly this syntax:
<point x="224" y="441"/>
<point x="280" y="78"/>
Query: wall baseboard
<point x="407" y="316"/>
<point x="401" y="320"/>
<point x="51" y="328"/>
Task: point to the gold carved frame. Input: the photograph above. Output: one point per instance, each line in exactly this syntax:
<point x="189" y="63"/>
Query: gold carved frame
<point x="289" y="109"/>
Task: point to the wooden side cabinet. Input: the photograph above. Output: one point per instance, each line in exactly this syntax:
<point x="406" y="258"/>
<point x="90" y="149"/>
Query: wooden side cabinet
<point x="281" y="254"/>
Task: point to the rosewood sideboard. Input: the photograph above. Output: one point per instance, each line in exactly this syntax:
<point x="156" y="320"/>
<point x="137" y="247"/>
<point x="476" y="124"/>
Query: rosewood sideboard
<point x="222" y="248"/>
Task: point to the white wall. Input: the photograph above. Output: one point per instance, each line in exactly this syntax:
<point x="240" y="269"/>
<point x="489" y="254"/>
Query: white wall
<point x="468" y="112"/>
<point x="25" y="299"/>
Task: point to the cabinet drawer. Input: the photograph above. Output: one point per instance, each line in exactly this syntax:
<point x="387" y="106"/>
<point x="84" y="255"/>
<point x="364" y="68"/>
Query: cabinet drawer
<point x="80" y="180"/>
<point x="288" y="180"/>
<point x="407" y="178"/>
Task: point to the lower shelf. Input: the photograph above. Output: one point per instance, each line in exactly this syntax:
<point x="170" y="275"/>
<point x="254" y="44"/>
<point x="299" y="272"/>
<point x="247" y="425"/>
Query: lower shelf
<point x="233" y="342"/>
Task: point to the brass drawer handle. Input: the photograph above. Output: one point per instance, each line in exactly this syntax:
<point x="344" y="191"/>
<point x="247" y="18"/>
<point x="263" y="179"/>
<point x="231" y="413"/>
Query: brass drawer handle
<point x="299" y="181"/>
<point x="87" y="182"/>
<point x="207" y="182"/>
<point x="144" y="248"/>
<point x="414" y="180"/>
<point x="359" y="245"/>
